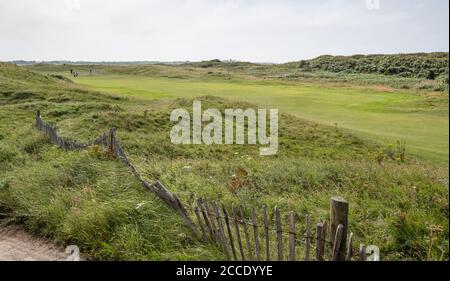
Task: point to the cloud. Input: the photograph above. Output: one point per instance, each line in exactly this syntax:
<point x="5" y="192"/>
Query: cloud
<point x="264" y="31"/>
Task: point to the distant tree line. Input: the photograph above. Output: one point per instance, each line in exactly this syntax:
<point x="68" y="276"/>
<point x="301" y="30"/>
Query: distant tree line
<point x="421" y="65"/>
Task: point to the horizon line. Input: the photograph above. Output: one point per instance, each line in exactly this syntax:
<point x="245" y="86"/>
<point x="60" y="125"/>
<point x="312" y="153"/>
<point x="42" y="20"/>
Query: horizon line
<point x="204" y="60"/>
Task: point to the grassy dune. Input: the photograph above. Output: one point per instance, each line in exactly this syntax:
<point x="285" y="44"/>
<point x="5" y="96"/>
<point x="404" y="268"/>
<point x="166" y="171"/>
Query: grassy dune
<point x="386" y="115"/>
<point x="383" y="108"/>
<point x="90" y="199"/>
<point x="84" y="198"/>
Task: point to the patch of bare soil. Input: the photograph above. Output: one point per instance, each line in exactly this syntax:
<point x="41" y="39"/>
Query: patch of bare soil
<point x="17" y="245"/>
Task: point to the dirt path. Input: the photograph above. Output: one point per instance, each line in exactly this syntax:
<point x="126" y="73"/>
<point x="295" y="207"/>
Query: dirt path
<point x="17" y="245"/>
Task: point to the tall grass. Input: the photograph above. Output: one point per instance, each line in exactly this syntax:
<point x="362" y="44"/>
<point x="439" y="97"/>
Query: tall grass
<point x="90" y="199"/>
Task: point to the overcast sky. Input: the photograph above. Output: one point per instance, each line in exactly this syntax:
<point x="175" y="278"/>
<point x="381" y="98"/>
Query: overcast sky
<point x="249" y="30"/>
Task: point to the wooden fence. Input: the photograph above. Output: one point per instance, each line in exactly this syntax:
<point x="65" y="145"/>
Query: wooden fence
<point x="244" y="234"/>
<point x="110" y="140"/>
<point x="250" y="234"/>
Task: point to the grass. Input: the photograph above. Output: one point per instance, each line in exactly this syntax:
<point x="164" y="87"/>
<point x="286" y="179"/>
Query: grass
<point x="85" y="198"/>
<point x="89" y="199"/>
<point x="420" y="120"/>
<point x="369" y="105"/>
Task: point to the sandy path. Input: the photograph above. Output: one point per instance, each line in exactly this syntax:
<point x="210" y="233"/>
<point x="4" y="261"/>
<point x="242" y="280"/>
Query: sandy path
<point x="17" y="245"/>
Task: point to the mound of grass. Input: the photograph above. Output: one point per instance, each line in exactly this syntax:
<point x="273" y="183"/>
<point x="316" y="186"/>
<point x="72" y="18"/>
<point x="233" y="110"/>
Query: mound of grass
<point x="75" y="198"/>
<point x="85" y="198"/>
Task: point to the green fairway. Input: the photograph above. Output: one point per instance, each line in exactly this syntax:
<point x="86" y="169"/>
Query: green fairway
<point x="421" y="120"/>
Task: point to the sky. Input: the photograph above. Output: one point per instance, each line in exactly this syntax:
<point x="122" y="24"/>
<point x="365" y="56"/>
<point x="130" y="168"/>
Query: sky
<point x="245" y="30"/>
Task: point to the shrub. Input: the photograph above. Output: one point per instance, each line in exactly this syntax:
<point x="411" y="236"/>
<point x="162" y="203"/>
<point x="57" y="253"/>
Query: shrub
<point x="420" y="65"/>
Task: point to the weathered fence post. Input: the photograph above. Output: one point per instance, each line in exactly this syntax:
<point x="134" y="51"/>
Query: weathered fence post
<point x="266" y="231"/>
<point x="202" y="207"/>
<point x="362" y="252"/>
<point x="308" y="238"/>
<point x="38" y="116"/>
<point x="112" y="138"/>
<point x="247" y="239"/>
<point x="348" y="257"/>
<point x="215" y="229"/>
<point x="338" y="239"/>
<point x="230" y="235"/>
<point x="320" y="243"/>
<point x="324" y="237"/>
<point x="178" y="206"/>
<point x="221" y="229"/>
<point x="292" y="236"/>
<point x="200" y="223"/>
<point x="338" y="216"/>
<point x="255" y="234"/>
<point x="279" y="234"/>
<point x="238" y="232"/>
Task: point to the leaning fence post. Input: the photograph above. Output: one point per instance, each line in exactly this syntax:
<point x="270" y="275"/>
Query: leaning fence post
<point x="338" y="216"/>
<point x="221" y="229"/>
<point x="349" y="247"/>
<point x="206" y="218"/>
<point x="200" y="223"/>
<point x="337" y="243"/>
<point x="215" y="229"/>
<point x="178" y="206"/>
<point x="230" y="235"/>
<point x="238" y="232"/>
<point x="247" y="239"/>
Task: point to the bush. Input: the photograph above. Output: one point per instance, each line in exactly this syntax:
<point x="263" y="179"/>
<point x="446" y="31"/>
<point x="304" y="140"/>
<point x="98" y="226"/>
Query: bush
<point x="431" y="74"/>
<point x="420" y="65"/>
